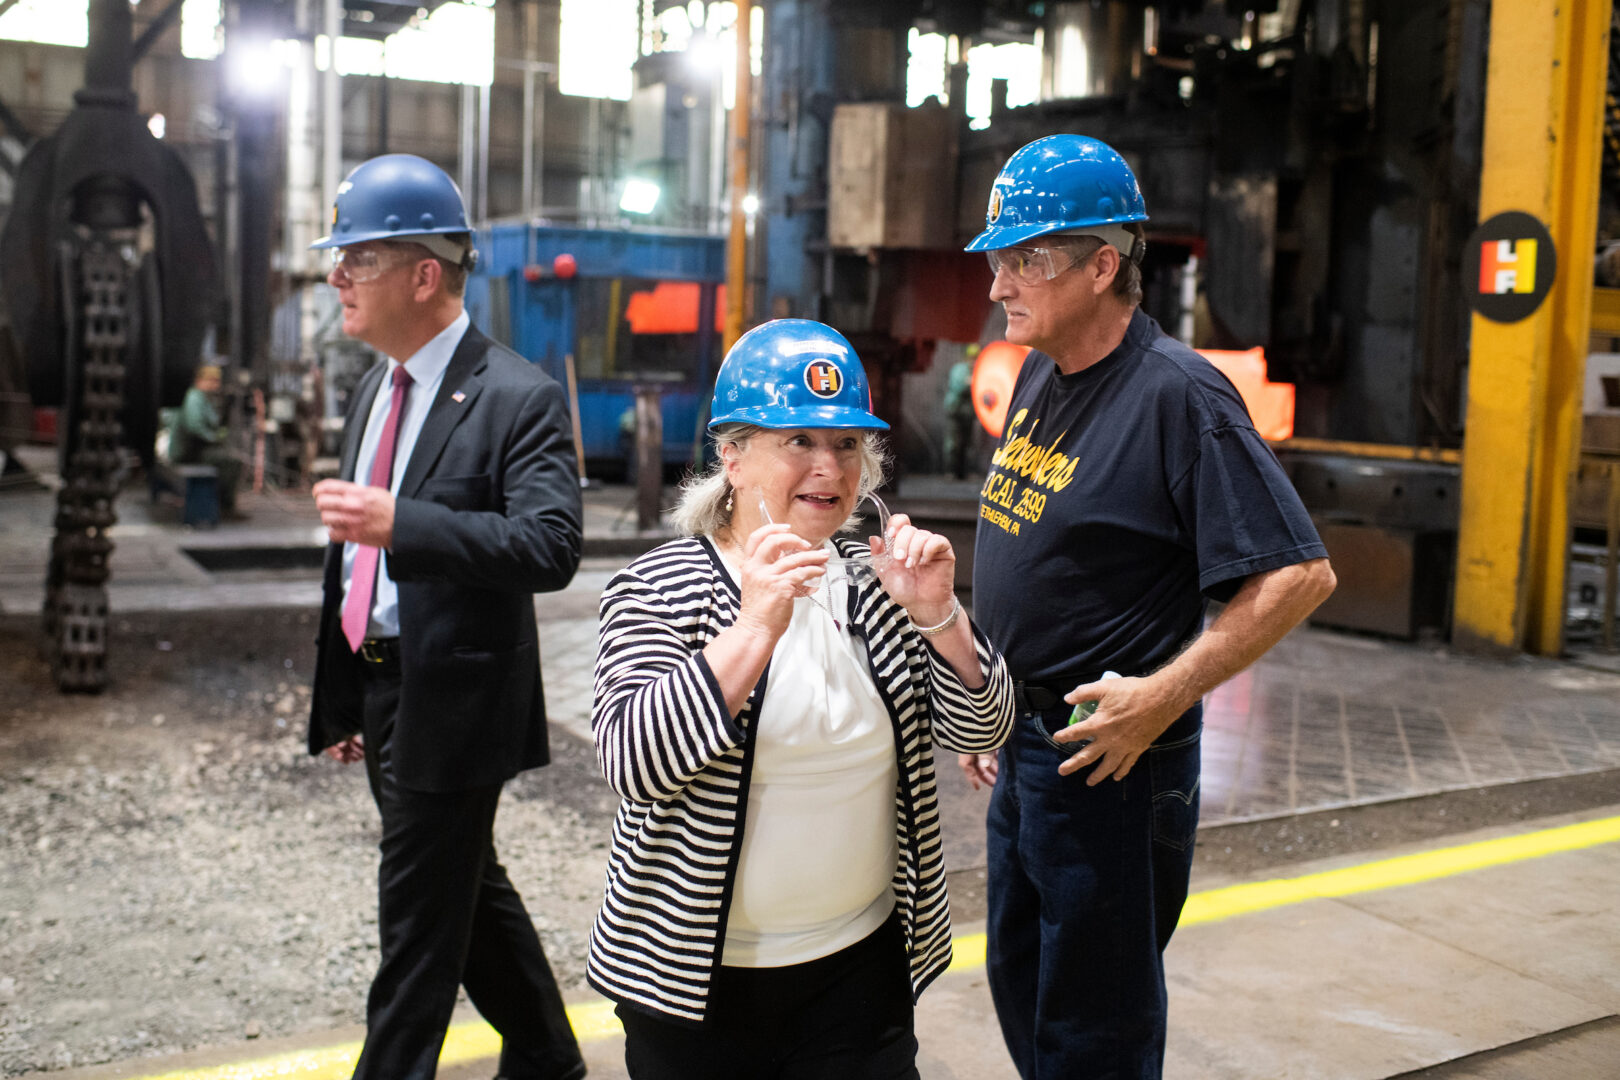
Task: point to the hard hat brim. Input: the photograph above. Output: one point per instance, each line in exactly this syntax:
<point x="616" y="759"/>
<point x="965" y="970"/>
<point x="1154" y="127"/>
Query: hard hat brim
<point x="804" y="416"/>
<point x="350" y="239"/>
<point x="995" y="237"/>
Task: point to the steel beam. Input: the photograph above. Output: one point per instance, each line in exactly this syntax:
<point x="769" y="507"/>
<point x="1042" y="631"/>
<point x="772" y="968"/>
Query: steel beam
<point x="1543" y="114"/>
<point x="155" y="29"/>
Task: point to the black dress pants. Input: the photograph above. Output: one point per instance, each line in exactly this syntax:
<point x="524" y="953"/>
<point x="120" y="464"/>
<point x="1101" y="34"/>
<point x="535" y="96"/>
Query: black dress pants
<point x="848" y="1016"/>
<point x="449" y="915"/>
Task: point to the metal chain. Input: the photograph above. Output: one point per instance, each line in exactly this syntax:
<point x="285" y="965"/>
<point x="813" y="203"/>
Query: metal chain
<point x="76" y="583"/>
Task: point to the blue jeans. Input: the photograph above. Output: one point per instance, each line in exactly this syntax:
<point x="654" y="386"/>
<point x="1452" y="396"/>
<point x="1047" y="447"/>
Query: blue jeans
<point x="1085" y="887"/>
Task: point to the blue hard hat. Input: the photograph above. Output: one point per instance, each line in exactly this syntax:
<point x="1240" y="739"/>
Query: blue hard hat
<point x="1062" y="183"/>
<point x="395" y="197"/>
<point x="793" y="373"/>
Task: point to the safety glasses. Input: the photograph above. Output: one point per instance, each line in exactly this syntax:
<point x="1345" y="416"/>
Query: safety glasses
<point x="363" y="264"/>
<point x="1030" y="265"/>
<point x="863" y="569"/>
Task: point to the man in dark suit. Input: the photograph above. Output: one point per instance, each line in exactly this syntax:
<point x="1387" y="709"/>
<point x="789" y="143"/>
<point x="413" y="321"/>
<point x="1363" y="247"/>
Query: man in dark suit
<point x="459" y="501"/>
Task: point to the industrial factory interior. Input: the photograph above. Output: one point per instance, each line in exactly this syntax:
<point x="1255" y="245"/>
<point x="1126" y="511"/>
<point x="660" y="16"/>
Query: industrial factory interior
<point x="1387" y="230"/>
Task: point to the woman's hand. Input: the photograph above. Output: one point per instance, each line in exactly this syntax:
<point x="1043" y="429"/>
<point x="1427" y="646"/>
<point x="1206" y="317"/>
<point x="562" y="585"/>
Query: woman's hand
<point x="777" y="567"/>
<point x="980" y="769"/>
<point x="921" y="572"/>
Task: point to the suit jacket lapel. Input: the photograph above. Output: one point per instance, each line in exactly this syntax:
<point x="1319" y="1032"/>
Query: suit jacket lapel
<point x="460" y="378"/>
<point x="354" y="430"/>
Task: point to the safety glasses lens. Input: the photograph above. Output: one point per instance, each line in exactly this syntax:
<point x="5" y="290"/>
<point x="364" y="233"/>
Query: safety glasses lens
<point x="1028" y="267"/>
<point x="359" y="265"/>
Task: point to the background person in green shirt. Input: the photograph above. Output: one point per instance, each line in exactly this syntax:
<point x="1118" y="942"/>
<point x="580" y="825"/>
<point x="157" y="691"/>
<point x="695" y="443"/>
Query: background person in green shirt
<point x="959" y="418"/>
<point x="198" y="438"/>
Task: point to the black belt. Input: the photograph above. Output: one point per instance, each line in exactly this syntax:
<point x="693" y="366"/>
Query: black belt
<point x="1039" y="697"/>
<point x="380" y="650"/>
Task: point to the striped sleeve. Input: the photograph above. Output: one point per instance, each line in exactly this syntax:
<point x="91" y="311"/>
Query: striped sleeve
<point x="659" y="717"/>
<point x="971" y="721"/>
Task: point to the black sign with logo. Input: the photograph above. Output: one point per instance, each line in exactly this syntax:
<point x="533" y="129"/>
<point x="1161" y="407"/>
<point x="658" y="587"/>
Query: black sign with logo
<point x="1508" y="267"/>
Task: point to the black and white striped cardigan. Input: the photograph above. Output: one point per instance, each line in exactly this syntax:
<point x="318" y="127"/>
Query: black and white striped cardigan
<point x="681" y="763"/>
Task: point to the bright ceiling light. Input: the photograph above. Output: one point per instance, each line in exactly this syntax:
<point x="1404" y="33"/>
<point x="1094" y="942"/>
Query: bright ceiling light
<point x="704" y="53"/>
<point x="257" y="67"/>
<point x="157" y="125"/>
<point x="750" y="203"/>
<point x="640" y="196"/>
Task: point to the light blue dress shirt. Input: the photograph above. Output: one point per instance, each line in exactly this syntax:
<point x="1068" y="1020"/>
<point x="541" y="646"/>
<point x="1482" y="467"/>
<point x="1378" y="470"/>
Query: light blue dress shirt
<point x="426" y="368"/>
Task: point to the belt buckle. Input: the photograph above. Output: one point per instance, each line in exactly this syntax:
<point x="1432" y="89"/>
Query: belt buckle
<point x="372" y="651"/>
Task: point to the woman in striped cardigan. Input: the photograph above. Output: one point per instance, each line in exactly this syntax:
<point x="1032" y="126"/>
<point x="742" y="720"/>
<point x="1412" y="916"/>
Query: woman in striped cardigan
<point x="767" y="699"/>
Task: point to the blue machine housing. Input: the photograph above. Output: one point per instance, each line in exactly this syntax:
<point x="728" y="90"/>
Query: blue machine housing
<point x="542" y="321"/>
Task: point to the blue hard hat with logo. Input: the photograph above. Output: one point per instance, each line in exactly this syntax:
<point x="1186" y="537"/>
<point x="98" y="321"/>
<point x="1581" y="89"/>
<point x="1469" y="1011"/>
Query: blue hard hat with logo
<point x="1060" y="184"/>
<point x="793" y="373"/>
<point x="399" y="197"/>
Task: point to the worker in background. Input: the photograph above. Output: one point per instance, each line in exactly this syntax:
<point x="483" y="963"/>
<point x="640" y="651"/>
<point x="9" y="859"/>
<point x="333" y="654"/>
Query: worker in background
<point x="458" y="502"/>
<point x="1128" y="491"/>
<point x="959" y="418"/>
<point x="196" y="437"/>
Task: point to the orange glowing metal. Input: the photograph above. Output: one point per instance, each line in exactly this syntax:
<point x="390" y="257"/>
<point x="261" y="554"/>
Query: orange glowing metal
<point x="994" y="373"/>
<point x="1271" y="405"/>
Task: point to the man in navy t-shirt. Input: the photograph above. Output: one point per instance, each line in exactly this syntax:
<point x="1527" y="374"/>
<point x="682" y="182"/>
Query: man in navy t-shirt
<point x="1128" y="490"/>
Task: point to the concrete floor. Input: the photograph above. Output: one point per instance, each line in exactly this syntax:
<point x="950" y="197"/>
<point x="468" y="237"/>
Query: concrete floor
<point x="1501" y="971"/>
<point x="1505" y="972"/>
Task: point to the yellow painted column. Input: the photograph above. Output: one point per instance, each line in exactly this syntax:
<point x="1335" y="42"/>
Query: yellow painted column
<point x="1545" y="85"/>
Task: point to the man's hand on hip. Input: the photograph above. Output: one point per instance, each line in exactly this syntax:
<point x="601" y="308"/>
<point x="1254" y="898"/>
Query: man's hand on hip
<point x="1130" y="714"/>
<point x="356" y="512"/>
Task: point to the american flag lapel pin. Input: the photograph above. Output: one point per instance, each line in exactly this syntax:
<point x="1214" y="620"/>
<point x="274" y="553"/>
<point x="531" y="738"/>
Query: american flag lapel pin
<point x="458" y="397"/>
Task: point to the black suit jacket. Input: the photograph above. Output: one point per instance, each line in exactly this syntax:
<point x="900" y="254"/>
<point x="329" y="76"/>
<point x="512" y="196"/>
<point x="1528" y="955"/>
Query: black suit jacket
<point x="488" y="514"/>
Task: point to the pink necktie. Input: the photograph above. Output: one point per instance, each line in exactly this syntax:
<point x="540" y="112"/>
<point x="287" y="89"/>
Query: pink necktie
<point x="363" y="581"/>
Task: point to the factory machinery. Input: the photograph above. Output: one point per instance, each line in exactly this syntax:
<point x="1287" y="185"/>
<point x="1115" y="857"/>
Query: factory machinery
<point x="1312" y="170"/>
<point x="107" y="272"/>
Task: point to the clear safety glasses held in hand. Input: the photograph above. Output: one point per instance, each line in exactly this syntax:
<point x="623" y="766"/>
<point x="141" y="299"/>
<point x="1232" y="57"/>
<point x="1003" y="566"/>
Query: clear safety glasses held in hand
<point x="857" y="570"/>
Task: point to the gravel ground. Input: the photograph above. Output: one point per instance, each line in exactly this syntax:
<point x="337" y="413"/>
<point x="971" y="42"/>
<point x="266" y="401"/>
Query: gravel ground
<point x="176" y="871"/>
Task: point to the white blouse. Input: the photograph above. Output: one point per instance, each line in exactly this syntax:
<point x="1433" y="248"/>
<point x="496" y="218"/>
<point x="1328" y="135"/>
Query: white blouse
<point x="819" y="844"/>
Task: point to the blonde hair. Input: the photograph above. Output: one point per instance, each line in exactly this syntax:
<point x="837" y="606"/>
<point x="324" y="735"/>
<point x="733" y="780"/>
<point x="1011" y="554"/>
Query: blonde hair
<point x="704" y="506"/>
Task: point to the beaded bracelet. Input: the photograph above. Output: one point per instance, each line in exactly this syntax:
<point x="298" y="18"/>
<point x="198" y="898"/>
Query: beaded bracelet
<point x="950" y="620"/>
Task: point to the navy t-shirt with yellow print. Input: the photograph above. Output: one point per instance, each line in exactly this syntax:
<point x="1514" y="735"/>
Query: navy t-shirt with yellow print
<point x="1120" y="498"/>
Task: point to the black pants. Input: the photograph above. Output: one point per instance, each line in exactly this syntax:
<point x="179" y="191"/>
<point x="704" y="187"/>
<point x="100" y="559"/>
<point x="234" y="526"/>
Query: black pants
<point x="449" y="915"/>
<point x="847" y="1016"/>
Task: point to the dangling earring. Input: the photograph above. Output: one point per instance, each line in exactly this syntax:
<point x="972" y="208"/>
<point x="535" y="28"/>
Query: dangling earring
<point x="728" y="500"/>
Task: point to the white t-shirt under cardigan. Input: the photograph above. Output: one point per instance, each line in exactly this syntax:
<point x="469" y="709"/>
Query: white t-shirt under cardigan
<point x="817" y="864"/>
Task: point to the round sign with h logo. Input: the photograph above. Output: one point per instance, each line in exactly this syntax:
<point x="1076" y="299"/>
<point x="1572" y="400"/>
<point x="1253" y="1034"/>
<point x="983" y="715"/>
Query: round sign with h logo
<point x="823" y="379"/>
<point x="1508" y="267"/>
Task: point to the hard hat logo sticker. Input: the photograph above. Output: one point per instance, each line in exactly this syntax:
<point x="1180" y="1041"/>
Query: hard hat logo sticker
<point x="995" y="205"/>
<point x="823" y="379"/>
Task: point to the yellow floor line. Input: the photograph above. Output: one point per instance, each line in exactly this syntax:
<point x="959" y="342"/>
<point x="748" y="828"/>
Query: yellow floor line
<point x="592" y="1020"/>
